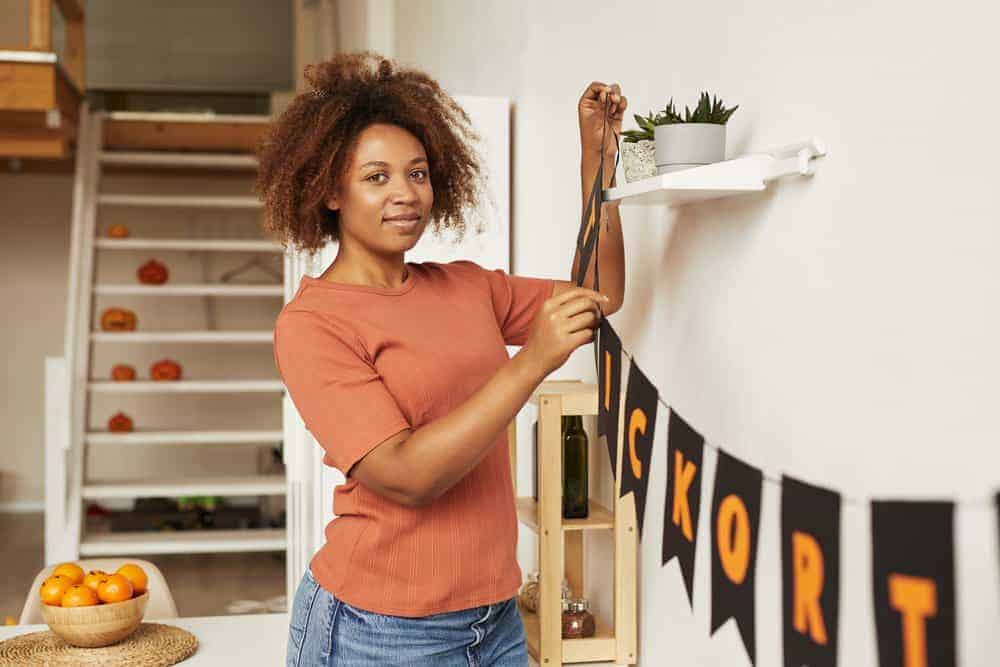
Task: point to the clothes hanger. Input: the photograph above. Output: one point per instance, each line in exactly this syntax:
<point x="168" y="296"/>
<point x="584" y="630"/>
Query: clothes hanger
<point x="253" y="263"/>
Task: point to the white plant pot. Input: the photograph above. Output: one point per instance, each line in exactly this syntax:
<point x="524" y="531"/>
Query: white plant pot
<point x="685" y="145"/>
<point x="638" y="159"/>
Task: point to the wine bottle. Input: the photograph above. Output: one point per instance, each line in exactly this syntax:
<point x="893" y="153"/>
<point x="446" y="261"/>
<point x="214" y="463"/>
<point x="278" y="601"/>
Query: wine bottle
<point x="574" y="472"/>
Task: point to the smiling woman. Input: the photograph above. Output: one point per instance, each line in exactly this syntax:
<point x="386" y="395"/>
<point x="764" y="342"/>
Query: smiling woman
<point x="400" y="371"/>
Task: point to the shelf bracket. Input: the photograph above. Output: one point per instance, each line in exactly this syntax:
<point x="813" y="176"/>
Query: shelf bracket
<point x="793" y="158"/>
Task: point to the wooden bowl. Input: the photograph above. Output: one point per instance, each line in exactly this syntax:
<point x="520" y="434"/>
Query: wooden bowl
<point x="97" y="625"/>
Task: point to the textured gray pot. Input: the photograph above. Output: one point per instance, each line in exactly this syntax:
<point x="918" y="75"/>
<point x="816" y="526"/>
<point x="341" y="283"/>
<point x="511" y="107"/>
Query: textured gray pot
<point x="638" y="160"/>
<point x="685" y="145"/>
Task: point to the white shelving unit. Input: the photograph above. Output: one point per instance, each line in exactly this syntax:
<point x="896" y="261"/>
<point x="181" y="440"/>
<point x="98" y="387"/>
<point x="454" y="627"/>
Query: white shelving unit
<point x="190" y="290"/>
<point x="72" y="384"/>
<point x="194" y="245"/>
<point x="247" y="485"/>
<point x="178" y="201"/>
<point x="743" y="175"/>
<point x="184" y="438"/>
<point x="189" y="542"/>
<point x="182" y="336"/>
<point x="185" y="386"/>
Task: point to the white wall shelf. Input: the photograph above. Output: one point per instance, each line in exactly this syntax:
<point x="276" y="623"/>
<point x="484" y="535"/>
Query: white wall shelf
<point x="185" y="386"/>
<point x="182" y="336"/>
<point x="183" y="542"/>
<point x="199" y="245"/>
<point x="178" y="201"/>
<point x="168" y="159"/>
<point x="190" y="290"/>
<point x="246" y="485"/>
<point x="184" y="438"/>
<point x="742" y="175"/>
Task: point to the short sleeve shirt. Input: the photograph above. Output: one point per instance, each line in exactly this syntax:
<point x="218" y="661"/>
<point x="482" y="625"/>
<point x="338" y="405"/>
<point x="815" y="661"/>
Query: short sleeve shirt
<point x="362" y="364"/>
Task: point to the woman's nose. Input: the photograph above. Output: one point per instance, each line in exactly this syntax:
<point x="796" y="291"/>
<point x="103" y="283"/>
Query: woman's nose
<point x="405" y="193"/>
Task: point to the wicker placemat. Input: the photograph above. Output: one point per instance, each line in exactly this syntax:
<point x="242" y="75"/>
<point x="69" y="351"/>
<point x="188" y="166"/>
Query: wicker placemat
<point x="151" y="645"/>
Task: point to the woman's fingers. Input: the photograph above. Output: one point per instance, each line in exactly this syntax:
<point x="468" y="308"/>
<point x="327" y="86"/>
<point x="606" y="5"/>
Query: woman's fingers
<point x="584" y="320"/>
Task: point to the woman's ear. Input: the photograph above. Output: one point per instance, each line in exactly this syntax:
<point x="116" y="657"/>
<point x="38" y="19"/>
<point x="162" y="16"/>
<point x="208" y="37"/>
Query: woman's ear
<point x="333" y="202"/>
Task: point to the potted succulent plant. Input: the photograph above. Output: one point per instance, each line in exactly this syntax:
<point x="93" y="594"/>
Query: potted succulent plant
<point x="667" y="141"/>
<point x="697" y="138"/>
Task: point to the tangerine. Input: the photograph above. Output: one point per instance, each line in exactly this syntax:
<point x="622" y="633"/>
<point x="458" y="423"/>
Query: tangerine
<point x="71" y="571"/>
<point x="54" y="588"/>
<point x="115" y="588"/>
<point x="79" y="595"/>
<point x="136" y="575"/>
<point x="94" y="578"/>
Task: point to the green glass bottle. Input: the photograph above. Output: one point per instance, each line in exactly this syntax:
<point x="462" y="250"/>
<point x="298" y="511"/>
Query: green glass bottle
<point x="574" y="472"/>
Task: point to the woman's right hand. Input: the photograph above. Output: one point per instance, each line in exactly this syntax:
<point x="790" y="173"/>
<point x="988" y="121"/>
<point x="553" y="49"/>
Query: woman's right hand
<point x="564" y="323"/>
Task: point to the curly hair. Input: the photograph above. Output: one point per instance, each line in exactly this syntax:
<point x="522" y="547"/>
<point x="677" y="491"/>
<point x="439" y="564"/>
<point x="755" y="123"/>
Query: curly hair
<point x="306" y="151"/>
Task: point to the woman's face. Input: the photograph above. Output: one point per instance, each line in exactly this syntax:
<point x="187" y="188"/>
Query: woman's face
<point x="385" y="195"/>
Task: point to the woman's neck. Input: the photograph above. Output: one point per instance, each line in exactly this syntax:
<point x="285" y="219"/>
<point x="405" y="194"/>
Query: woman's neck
<point x="370" y="270"/>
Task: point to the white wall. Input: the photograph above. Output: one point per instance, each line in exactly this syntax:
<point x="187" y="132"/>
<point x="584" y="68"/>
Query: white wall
<point x="34" y="250"/>
<point x="840" y="329"/>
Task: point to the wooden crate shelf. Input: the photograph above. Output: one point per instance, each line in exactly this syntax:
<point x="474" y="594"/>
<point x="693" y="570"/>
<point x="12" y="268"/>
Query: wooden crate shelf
<point x="589" y="649"/>
<point x="561" y="545"/>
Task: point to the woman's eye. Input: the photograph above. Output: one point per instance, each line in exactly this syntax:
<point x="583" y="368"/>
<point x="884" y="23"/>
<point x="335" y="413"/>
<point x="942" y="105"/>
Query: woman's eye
<point x="375" y="176"/>
<point x="422" y="174"/>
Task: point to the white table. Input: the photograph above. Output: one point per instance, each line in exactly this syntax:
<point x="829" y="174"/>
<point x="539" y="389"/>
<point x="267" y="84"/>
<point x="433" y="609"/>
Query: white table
<point x="250" y="639"/>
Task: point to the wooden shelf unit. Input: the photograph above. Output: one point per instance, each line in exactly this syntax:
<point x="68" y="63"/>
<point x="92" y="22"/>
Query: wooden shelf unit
<point x="40" y="96"/>
<point x="561" y="546"/>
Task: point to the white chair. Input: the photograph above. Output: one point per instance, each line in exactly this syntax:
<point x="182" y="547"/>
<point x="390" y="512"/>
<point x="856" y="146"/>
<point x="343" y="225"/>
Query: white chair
<point x="160" y="605"/>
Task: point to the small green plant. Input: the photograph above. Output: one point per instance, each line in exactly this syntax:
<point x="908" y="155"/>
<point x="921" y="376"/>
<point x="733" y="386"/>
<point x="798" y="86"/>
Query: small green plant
<point x="707" y="111"/>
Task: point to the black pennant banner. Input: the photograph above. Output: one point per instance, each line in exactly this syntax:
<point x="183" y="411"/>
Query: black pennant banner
<point x="680" y="515"/>
<point x="609" y="383"/>
<point x="640" y="425"/>
<point x="810" y="573"/>
<point x="586" y="239"/>
<point x="913" y="575"/>
<point x="735" y="521"/>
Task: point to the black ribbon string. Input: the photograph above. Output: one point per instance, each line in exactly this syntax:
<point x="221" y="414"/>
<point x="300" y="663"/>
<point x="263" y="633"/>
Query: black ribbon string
<point x="595" y="207"/>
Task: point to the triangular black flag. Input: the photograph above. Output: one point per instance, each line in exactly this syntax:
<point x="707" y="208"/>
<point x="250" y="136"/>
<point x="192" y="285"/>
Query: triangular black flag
<point x="640" y="426"/>
<point x="609" y="387"/>
<point x="587" y="237"/>
<point x="680" y="515"/>
<point x="913" y="575"/>
<point x="810" y="573"/>
<point x="735" y="520"/>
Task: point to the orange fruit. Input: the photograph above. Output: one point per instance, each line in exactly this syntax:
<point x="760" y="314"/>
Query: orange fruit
<point x="79" y="596"/>
<point x="54" y="588"/>
<point x="136" y="575"/>
<point x="94" y="578"/>
<point x="115" y="588"/>
<point x="71" y="571"/>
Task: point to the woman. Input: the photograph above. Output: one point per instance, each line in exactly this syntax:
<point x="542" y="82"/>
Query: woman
<point x="399" y="369"/>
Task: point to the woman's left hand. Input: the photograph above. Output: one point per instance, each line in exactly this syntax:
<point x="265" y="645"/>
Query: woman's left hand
<point x="591" y="110"/>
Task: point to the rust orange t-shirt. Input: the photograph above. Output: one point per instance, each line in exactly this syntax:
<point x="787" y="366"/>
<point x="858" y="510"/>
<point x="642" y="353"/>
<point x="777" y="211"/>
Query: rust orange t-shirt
<point x="364" y="363"/>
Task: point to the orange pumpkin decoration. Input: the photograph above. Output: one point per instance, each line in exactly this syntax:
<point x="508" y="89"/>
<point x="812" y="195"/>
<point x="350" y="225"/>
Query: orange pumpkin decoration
<point x="122" y="373"/>
<point x="118" y="319"/>
<point x="118" y="231"/>
<point x="153" y="273"/>
<point x="165" y="369"/>
<point x="120" y="423"/>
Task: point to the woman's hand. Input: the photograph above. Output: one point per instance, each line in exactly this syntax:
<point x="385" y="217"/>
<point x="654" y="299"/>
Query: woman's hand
<point x="591" y="110"/>
<point x="564" y="323"/>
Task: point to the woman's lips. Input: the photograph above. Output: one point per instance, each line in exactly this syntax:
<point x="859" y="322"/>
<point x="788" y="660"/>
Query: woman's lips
<point x="403" y="224"/>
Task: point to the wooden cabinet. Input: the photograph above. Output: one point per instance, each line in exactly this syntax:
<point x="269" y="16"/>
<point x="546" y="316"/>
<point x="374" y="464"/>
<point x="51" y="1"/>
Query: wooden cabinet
<point x="561" y="545"/>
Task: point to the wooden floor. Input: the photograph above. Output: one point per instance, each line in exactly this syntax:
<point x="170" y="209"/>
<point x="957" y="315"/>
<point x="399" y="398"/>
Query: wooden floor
<point x="202" y="584"/>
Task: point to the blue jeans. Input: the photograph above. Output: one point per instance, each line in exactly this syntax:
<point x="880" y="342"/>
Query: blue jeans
<point x="328" y="632"/>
